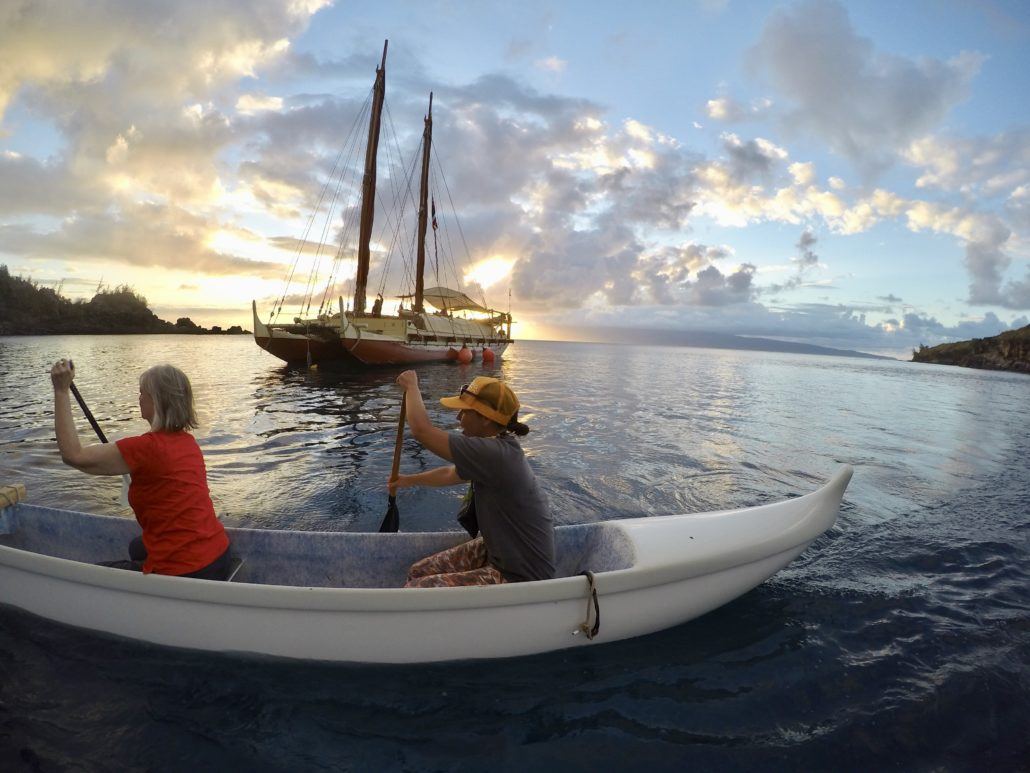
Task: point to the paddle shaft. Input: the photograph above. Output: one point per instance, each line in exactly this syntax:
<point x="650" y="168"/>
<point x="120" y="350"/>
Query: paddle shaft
<point x="89" y="415"/>
<point x="392" y="519"/>
<point x="400" y="440"/>
<point x="102" y="436"/>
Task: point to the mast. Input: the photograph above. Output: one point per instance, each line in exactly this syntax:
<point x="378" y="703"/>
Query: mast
<point x="368" y="185"/>
<point x="423" y="197"/>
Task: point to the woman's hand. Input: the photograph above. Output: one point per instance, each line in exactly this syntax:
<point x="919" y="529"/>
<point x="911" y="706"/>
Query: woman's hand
<point x="401" y="481"/>
<point x="62" y="375"/>
<point x="440" y="476"/>
<point x="407" y="380"/>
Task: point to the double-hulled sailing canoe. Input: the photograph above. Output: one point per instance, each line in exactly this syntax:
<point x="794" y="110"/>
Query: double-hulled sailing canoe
<point x="335" y="596"/>
<point x="458" y="329"/>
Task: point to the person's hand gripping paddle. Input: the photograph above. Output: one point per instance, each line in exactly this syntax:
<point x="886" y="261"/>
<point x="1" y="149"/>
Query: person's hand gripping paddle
<point x="392" y="519"/>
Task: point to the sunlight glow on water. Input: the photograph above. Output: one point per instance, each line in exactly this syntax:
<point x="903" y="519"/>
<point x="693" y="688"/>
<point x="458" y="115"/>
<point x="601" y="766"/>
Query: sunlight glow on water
<point x="901" y="634"/>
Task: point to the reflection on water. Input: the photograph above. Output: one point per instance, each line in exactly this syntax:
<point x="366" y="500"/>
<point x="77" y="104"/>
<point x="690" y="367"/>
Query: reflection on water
<point x="617" y="430"/>
<point x="900" y="636"/>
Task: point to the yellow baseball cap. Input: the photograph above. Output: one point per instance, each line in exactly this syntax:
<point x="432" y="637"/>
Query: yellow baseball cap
<point x="486" y="396"/>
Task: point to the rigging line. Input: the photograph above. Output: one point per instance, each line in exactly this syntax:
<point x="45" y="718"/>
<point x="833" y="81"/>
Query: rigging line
<point x="393" y="218"/>
<point x="407" y="188"/>
<point x="450" y="264"/>
<point x="397" y="225"/>
<point x="314" y="213"/>
<point x="300" y="250"/>
<point x="397" y="210"/>
<point x="348" y="178"/>
<point x="457" y="222"/>
<point x="321" y="246"/>
<point x="409" y="265"/>
<point x="436" y="253"/>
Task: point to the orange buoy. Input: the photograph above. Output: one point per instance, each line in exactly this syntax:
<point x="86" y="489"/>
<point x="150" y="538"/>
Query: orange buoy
<point x="488" y="355"/>
<point x="464" y="355"/>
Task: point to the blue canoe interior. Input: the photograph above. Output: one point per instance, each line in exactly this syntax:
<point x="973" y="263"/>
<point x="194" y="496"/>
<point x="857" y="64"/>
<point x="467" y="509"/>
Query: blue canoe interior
<point x="297" y="558"/>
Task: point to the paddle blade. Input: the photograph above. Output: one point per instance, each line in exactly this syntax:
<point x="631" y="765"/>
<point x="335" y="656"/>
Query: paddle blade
<point x="392" y="519"/>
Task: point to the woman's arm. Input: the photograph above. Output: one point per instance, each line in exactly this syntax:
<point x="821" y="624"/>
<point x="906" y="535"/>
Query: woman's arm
<point x="441" y="476"/>
<point x="103" y="459"/>
<point x="432" y="437"/>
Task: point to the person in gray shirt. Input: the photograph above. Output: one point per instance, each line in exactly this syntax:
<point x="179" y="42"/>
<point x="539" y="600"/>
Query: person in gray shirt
<point x="516" y="535"/>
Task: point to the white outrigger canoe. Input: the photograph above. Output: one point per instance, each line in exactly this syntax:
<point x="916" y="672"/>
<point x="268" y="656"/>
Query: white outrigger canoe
<point x="335" y="596"/>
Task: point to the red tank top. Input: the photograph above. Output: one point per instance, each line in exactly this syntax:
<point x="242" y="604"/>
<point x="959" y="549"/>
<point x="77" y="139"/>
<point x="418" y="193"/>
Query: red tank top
<point x="170" y="498"/>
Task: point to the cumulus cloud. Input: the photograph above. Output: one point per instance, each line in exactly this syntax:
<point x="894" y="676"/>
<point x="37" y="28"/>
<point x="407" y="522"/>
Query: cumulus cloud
<point x="663" y="276"/>
<point x="756" y="158"/>
<point x="984" y="166"/>
<point x="866" y="104"/>
<point x="729" y="110"/>
<point x="713" y="288"/>
<point x="166" y="137"/>
<point x="132" y="90"/>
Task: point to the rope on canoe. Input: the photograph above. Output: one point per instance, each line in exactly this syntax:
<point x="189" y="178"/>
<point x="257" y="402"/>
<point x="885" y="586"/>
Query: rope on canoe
<point x="585" y="627"/>
<point x="11" y="495"/>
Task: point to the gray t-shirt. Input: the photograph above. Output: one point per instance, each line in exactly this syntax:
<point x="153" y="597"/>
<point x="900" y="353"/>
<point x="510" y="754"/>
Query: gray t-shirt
<point x="513" y="516"/>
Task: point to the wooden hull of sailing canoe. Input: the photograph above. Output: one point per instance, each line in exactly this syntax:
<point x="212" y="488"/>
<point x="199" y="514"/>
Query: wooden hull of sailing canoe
<point x="293" y="349"/>
<point x="299" y="348"/>
<point x="334" y="596"/>
<point x="381" y="351"/>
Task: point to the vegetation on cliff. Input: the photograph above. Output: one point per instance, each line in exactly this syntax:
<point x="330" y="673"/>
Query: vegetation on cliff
<point x="28" y="309"/>
<point x="1007" y="351"/>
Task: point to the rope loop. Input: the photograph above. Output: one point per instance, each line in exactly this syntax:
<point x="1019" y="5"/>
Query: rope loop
<point x="585" y="627"/>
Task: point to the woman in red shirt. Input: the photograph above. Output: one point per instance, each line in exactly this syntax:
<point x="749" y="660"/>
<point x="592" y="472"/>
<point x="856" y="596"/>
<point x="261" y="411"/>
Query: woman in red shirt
<point x="169" y="493"/>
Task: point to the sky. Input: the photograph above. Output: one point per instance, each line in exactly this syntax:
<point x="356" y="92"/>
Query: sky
<point x="854" y="175"/>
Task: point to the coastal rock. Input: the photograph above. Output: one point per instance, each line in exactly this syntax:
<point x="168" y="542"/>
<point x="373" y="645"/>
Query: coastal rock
<point x="1007" y="351"/>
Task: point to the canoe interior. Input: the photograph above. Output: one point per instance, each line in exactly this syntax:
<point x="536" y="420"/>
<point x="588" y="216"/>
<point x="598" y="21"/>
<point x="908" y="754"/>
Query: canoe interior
<point x="298" y="558"/>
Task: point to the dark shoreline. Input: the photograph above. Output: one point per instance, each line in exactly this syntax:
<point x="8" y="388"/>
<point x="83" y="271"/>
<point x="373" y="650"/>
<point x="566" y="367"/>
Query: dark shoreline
<point x="1008" y="351"/>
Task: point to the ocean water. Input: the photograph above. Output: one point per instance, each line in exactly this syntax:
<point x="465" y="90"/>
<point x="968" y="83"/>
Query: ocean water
<point x="899" y="640"/>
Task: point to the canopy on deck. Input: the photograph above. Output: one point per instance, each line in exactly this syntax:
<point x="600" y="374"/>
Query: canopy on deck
<point x="446" y="299"/>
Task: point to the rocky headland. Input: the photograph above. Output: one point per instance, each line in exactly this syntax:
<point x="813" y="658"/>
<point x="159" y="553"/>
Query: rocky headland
<point x="1007" y="351"/>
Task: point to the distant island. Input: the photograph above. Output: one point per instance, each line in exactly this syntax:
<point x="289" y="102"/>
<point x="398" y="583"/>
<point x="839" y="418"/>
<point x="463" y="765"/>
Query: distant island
<point x="28" y="309"/>
<point x="1006" y="351"/>
<point x="707" y="340"/>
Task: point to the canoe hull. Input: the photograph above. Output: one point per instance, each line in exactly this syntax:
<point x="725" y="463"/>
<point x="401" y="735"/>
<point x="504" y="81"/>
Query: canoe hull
<point x="369" y="636"/>
<point x="640" y="590"/>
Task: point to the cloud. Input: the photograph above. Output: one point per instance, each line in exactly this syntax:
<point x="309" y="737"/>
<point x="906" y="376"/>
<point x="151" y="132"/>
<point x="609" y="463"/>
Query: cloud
<point x="866" y="104"/>
<point x="982" y="166"/>
<point x="756" y="158"/>
<point x="729" y="110"/>
<point x="713" y="288"/>
<point x="37" y="187"/>
<point x="248" y="104"/>
<point x="662" y="277"/>
<point x="147" y="235"/>
<point x="166" y="140"/>
<point x="806" y="256"/>
<point x="552" y="64"/>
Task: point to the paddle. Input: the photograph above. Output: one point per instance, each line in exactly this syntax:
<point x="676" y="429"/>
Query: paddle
<point x="392" y="519"/>
<point x="100" y="434"/>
